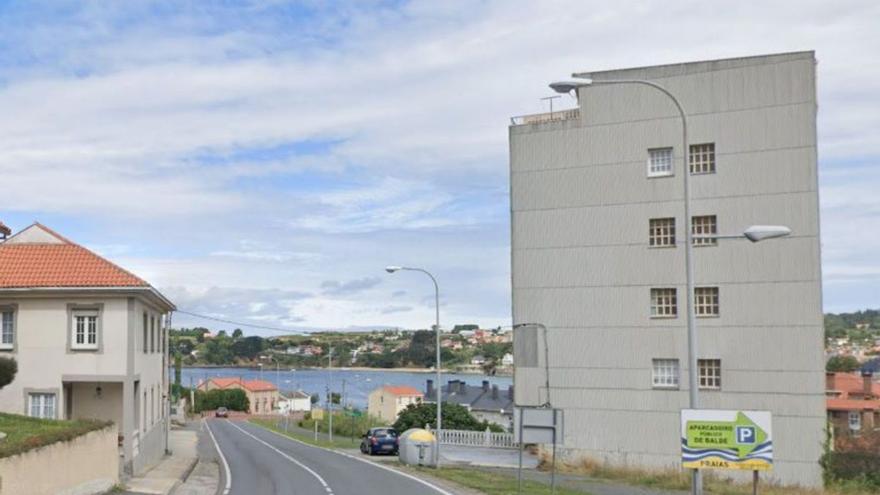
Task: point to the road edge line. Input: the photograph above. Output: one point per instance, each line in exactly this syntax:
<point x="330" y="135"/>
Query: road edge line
<point x="291" y="459"/>
<point x="371" y="463"/>
<point x="222" y="458"/>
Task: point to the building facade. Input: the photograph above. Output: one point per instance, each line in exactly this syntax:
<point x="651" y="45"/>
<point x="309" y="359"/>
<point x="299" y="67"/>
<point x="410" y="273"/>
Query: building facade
<point x="262" y="395"/>
<point x="853" y="403"/>
<point x="90" y="340"/>
<point x="386" y="402"/>
<point x="598" y="257"/>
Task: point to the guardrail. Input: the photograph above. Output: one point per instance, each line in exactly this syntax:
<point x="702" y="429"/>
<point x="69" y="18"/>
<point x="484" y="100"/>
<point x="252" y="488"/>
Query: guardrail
<point x="540" y="118"/>
<point x="478" y="439"/>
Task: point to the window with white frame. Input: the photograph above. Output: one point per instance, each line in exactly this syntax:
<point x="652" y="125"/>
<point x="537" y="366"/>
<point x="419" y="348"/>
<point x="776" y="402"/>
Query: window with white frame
<point x="855" y="420"/>
<point x="85" y="330"/>
<point x="7" y="329"/>
<point x="704" y="229"/>
<point x="702" y="158"/>
<point x="710" y="373"/>
<point x="706" y="301"/>
<point x="41" y="405"/>
<point x="661" y="232"/>
<point x="665" y="373"/>
<point x="659" y="162"/>
<point x="664" y="303"/>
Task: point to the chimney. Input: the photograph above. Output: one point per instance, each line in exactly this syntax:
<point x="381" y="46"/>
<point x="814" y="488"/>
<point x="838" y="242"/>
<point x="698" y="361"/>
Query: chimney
<point x="451" y="387"/>
<point x="510" y="392"/>
<point x="429" y="392"/>
<point x="495" y="392"/>
<point x="4" y="231"/>
<point x="830" y="381"/>
<point x="485" y="385"/>
<point x="867" y="384"/>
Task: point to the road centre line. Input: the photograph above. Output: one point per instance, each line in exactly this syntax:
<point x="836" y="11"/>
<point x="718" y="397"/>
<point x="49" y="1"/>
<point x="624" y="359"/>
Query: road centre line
<point x="291" y="459"/>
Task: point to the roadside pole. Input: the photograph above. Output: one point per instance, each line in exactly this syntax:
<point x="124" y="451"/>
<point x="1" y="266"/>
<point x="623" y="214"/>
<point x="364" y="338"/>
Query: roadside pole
<point x="330" y="393"/>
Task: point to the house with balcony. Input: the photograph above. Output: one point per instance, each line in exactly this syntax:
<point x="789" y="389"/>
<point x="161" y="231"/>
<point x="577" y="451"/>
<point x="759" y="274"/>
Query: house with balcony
<point x="90" y="339"/>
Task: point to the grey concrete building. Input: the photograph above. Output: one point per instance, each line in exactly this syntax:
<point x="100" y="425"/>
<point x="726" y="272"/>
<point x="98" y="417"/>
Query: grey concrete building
<point x="598" y="257"/>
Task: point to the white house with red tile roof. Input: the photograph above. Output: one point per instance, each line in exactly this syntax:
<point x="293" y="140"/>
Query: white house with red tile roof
<point x="262" y="395"/>
<point x="90" y="339"/>
<point x="387" y="401"/>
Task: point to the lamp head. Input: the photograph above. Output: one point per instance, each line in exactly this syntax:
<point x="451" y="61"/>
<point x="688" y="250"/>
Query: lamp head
<point x="392" y="268"/>
<point x="758" y="233"/>
<point x="566" y="87"/>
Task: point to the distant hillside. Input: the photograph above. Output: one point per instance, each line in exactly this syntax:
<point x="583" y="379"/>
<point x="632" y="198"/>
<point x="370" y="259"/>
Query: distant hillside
<point x="840" y="324"/>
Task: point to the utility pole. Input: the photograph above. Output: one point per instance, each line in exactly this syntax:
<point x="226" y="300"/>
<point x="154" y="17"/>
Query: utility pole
<point x="330" y="392"/>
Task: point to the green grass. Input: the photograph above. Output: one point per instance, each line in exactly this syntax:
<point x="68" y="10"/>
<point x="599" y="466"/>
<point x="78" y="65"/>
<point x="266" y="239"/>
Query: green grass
<point x="24" y="433"/>
<point x="296" y="433"/>
<point x="492" y="483"/>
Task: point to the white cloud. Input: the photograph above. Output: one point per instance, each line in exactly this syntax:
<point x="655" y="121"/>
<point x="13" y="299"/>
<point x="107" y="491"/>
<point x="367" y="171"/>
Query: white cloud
<point x="111" y="123"/>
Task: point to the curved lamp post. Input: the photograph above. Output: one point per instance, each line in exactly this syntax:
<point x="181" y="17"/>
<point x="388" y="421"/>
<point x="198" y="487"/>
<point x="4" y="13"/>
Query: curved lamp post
<point x="755" y="234"/>
<point x="439" y="395"/>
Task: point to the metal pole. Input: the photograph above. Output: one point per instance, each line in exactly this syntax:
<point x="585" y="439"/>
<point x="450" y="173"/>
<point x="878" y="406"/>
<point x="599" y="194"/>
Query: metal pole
<point x="521" y="444"/>
<point x="330" y="393"/>
<point x="437" y="365"/>
<point x="693" y="386"/>
<point x="553" y="462"/>
<point x="755" y="482"/>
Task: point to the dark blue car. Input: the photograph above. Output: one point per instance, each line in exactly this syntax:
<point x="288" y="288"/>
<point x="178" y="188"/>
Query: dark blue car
<point x="380" y="441"/>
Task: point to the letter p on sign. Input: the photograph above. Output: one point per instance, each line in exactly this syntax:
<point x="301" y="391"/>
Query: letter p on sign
<point x="745" y="435"/>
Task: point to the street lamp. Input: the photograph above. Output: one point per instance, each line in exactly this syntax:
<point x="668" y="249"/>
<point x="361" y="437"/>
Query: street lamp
<point x="439" y="395"/>
<point x="754" y="234"/>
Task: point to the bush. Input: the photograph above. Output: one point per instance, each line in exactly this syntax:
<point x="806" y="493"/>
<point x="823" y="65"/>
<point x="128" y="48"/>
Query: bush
<point x="8" y="369"/>
<point x="454" y="416"/>
<point x="861" y="467"/>
<point x="232" y="399"/>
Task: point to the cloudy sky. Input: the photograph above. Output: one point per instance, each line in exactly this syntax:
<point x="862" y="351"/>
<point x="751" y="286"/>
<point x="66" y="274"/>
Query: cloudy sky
<point x="264" y="161"/>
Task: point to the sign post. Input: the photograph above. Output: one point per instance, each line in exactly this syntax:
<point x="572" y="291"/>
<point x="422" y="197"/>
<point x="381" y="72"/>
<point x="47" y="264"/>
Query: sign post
<point x="538" y="425"/>
<point x="727" y="439"/>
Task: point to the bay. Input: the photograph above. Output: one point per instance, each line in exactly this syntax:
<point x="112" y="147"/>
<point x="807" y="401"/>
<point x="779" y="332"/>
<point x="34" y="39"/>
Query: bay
<point x="358" y="382"/>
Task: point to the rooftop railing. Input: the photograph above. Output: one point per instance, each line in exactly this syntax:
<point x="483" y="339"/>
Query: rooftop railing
<point x="541" y="118"/>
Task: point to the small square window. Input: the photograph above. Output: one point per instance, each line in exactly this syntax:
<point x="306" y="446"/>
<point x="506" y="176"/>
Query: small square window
<point x="702" y="158"/>
<point x="665" y="373"/>
<point x="664" y="303"/>
<point x="706" y="301"/>
<point x="659" y="162"/>
<point x="855" y="420"/>
<point x="710" y="373"/>
<point x="704" y="229"/>
<point x="661" y="232"/>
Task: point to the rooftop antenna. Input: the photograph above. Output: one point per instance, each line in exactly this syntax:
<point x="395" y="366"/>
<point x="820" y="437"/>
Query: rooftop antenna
<point x="550" y="100"/>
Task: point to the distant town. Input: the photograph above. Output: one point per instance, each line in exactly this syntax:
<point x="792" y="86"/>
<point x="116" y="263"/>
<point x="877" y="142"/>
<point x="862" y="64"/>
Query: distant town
<point x="465" y="349"/>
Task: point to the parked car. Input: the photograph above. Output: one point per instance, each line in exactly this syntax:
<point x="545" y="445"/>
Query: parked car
<point x="382" y="440"/>
<point x="221" y="412"/>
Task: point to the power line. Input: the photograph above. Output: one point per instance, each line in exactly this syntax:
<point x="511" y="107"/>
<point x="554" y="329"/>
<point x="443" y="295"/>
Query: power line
<point x="242" y="324"/>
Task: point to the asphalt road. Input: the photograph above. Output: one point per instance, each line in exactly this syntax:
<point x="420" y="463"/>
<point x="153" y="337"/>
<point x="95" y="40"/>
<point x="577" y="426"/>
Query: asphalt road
<point x="260" y="462"/>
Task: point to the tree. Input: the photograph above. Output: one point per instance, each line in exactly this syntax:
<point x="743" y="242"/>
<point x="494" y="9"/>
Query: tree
<point x="237" y="333"/>
<point x="454" y="416"/>
<point x="842" y="363"/>
<point x="178" y="363"/>
<point x="232" y="399"/>
<point x="8" y="369"/>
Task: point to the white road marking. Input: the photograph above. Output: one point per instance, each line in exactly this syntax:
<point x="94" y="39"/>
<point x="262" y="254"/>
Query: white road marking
<point x="291" y="459"/>
<point x="371" y="463"/>
<point x="222" y="458"/>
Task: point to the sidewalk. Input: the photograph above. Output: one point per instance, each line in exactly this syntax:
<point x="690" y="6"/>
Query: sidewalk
<point x="172" y="469"/>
